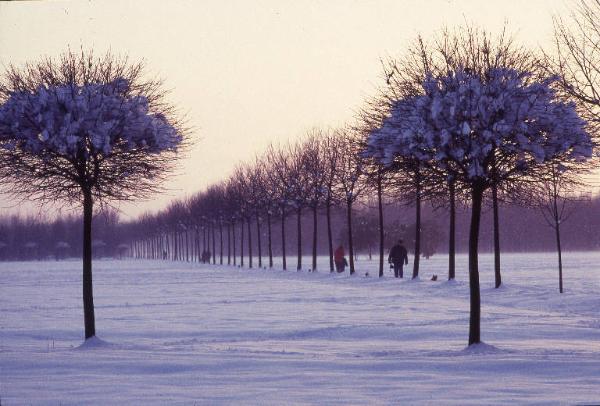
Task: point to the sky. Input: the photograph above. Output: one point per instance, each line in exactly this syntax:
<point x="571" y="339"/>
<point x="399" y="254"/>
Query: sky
<point x="249" y="73"/>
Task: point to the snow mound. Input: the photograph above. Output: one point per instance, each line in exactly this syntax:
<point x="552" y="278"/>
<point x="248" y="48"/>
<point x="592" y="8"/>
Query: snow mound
<point x="94" y="343"/>
<point x="481" y="348"/>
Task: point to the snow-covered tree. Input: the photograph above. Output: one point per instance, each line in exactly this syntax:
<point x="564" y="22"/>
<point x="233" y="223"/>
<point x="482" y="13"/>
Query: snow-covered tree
<point x="85" y="129"/>
<point x="470" y="48"/>
<point x="483" y="129"/>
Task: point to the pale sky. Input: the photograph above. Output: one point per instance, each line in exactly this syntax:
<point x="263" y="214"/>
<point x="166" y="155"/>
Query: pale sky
<point x="247" y="73"/>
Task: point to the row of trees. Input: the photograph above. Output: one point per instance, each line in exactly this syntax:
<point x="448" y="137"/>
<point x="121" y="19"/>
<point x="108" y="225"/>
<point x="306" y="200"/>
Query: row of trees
<point x="318" y="174"/>
<point x="460" y="117"/>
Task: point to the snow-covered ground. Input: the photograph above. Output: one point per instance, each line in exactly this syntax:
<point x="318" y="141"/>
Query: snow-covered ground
<point x="185" y="334"/>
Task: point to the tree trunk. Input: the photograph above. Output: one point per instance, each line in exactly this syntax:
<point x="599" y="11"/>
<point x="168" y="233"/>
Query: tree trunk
<point x="220" y="243"/>
<point x="175" y="247"/>
<point x="350" y="241"/>
<point x="558" y="248"/>
<point x="283" y="239"/>
<point x="198" y="252"/>
<point x="180" y="246"/>
<point x="314" y="241"/>
<point x="168" y="245"/>
<point x="270" y="239"/>
<point x="233" y="242"/>
<point x="242" y="243"/>
<point x="380" y="209"/>
<point x="475" y="314"/>
<point x="299" y="214"/>
<point x="497" y="276"/>
<point x="187" y="247"/>
<point x="228" y="244"/>
<point x="259" y="241"/>
<point x="192" y="246"/>
<point x="248" y="221"/>
<point x="88" y="292"/>
<point x="329" y="235"/>
<point x="214" y="245"/>
<point x="417" y="225"/>
<point x="452" y="236"/>
<point x="556" y="216"/>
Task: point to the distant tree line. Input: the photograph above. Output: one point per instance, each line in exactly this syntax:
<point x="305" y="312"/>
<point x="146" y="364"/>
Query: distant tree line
<point x="524" y="230"/>
<point x="35" y="238"/>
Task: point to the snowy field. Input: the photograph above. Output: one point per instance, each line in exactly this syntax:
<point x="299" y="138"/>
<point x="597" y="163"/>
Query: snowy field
<point x="186" y="334"/>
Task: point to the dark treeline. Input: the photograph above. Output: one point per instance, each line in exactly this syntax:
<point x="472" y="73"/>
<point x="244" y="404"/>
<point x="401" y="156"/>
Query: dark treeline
<point x="524" y="229"/>
<point x="34" y="237"/>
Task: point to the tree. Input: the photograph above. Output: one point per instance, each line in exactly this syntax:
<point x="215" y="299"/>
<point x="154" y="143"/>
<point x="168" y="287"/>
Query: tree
<point x="330" y="154"/>
<point x="377" y="176"/>
<point x="278" y="184"/>
<point x="298" y="184"/>
<point x="291" y="189"/>
<point x="268" y="200"/>
<point x="349" y="175"/>
<point x="576" y="56"/>
<point x="476" y="51"/>
<point x="85" y="129"/>
<point x="315" y="170"/>
<point x="258" y="197"/>
<point x="232" y="212"/>
<point x="496" y="127"/>
<point x="554" y="196"/>
<point x="238" y="191"/>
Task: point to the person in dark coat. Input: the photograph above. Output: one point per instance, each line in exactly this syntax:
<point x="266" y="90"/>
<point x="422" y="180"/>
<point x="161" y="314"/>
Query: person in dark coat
<point x="398" y="258"/>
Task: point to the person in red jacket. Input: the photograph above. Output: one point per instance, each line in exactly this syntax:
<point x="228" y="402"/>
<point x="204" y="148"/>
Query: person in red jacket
<point x="339" y="259"/>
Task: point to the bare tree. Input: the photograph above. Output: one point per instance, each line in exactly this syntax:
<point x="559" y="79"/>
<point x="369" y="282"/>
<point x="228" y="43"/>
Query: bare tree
<point x="269" y="193"/>
<point x="315" y="170"/>
<point x="576" y="56"/>
<point x="281" y="175"/>
<point x="233" y="207"/>
<point x="239" y="191"/>
<point x="555" y="193"/>
<point x="330" y="155"/>
<point x="85" y="129"/>
<point x="349" y="177"/>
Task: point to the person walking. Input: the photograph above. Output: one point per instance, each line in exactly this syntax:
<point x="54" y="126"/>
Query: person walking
<point x="339" y="259"/>
<point x="398" y="258"/>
